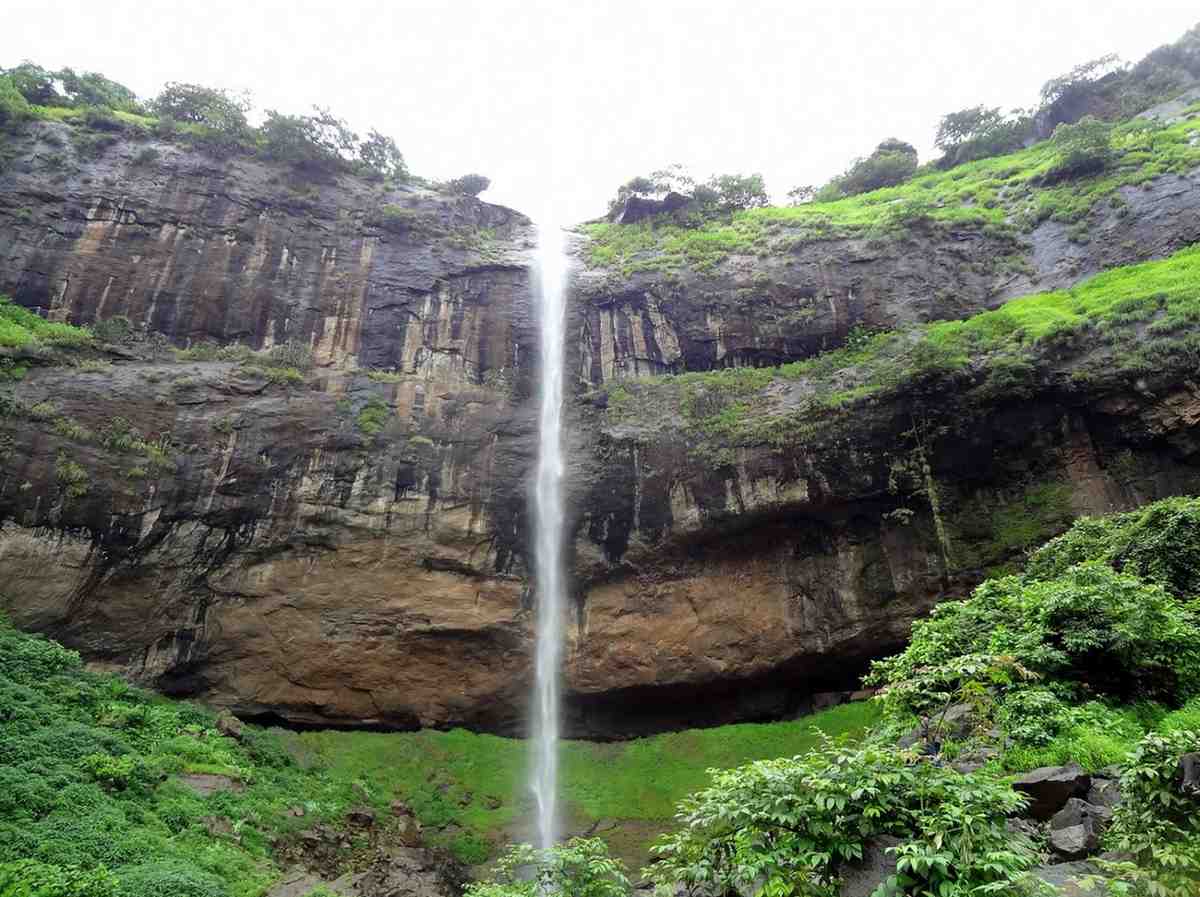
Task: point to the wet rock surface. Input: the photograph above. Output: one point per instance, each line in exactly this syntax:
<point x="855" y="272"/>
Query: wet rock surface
<point x="350" y="549"/>
<point x="1050" y="787"/>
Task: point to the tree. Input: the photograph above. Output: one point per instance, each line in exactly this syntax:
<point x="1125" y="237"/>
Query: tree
<point x="380" y="156"/>
<point x="979" y="133"/>
<point x="732" y="192"/>
<point x="35" y="84"/>
<point x="801" y="194"/>
<point x="467" y="185"/>
<point x="93" y="89"/>
<point x="212" y="107"/>
<point x="893" y="162"/>
<point x="13" y="106"/>
<point x="315" y="141"/>
<point x="1079" y="78"/>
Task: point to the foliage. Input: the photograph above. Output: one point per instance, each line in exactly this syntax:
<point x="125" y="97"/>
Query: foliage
<point x="21" y="327"/>
<point x="379" y="155"/>
<point x="1079" y="79"/>
<point x="373" y="417"/>
<point x="210" y="107"/>
<point x="792" y="826"/>
<point x="467" y="185"/>
<point x="1156" y="821"/>
<point x="13" y="106"/>
<point x="720" y="194"/>
<point x="320" y="141"/>
<point x="1159" y="543"/>
<point x="581" y="867"/>
<point x="980" y="132"/>
<point x="1083" y="148"/>
<point x="29" y="878"/>
<point x="893" y="162"/>
<point x="1109" y="632"/>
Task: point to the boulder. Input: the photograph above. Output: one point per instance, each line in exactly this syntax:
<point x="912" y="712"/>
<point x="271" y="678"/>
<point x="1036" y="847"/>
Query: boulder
<point x="1104" y="793"/>
<point x="877" y="865"/>
<point x="230" y="726"/>
<point x="1075" y="829"/>
<point x="1050" y="787"/>
<point x="1189" y="774"/>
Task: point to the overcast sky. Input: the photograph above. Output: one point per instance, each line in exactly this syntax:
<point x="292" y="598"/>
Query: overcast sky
<point x="559" y="102"/>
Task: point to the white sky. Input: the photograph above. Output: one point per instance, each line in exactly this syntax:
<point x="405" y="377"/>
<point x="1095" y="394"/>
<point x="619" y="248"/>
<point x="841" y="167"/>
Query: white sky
<point x="559" y="102"/>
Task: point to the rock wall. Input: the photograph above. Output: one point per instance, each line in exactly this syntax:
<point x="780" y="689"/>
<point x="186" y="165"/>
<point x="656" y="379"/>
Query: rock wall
<point x="348" y="546"/>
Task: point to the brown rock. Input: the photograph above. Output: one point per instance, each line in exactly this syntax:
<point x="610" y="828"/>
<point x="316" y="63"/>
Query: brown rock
<point x="229" y="725"/>
<point x="205" y="784"/>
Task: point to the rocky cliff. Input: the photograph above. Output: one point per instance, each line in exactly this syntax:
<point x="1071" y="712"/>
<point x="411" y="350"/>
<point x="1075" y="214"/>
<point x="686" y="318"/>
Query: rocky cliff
<point x="345" y="544"/>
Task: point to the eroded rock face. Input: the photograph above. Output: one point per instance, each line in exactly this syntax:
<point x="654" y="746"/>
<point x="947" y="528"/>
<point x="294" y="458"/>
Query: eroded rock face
<point x="350" y="549"/>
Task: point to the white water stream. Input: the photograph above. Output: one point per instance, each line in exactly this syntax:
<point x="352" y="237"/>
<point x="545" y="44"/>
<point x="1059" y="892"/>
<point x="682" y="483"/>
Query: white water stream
<point x="548" y="524"/>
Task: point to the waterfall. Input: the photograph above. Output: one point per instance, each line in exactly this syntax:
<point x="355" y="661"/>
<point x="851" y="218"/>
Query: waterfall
<point x="548" y="524"/>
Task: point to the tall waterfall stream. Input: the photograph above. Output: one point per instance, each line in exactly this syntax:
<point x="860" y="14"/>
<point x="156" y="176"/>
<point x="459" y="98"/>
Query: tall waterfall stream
<point x="548" y="523"/>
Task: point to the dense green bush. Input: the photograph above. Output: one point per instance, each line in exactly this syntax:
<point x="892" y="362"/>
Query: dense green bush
<point x="1106" y="632"/>
<point x="208" y="107"/>
<point x="793" y="826"/>
<point x="1156" y="821"/>
<point x="580" y="867"/>
<point x="1082" y="149"/>
<point x="892" y="163"/>
<point x="13" y="106"/>
<point x="1159" y="543"/>
<point x="980" y="133"/>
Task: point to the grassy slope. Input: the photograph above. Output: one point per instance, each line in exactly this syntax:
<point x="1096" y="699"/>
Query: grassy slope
<point x="1001" y="192"/>
<point x="88" y="770"/>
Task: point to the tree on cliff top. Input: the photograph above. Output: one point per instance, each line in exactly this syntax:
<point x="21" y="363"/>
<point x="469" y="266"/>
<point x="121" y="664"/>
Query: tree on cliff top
<point x="214" y="108"/>
<point x="893" y="162"/>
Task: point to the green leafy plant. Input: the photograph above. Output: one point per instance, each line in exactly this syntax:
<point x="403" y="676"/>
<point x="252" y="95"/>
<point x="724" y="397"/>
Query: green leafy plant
<point x="794" y="826"/>
<point x="582" y="867"/>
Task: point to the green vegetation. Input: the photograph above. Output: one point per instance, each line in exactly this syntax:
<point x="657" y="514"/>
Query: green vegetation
<point x="213" y="120"/>
<point x="91" y="796"/>
<point x="21" y="327"/>
<point x="467" y="185"/>
<point x="1006" y="193"/>
<point x="720" y="194"/>
<point x="581" y="867"/>
<point x="373" y="417"/>
<point x="1136" y="321"/>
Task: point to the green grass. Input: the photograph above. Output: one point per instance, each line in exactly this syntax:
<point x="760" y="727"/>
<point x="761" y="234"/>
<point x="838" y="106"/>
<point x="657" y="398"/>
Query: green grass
<point x="89" y="767"/>
<point x="1002" y="192"/>
<point x="21" y="327"/>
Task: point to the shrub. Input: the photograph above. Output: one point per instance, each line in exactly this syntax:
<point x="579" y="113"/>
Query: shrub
<point x="581" y="867"/>
<point x="320" y="141"/>
<point x="168" y="879"/>
<point x="1156" y="821"/>
<point x="1159" y="543"/>
<point x="792" y="826"/>
<point x="29" y="878"/>
<point x="1105" y="631"/>
<point x="380" y="156"/>
<point x="1084" y="148"/>
<point x="892" y="163"/>
<point x="13" y="106"/>
<point x="980" y="133"/>
<point x="467" y="185"/>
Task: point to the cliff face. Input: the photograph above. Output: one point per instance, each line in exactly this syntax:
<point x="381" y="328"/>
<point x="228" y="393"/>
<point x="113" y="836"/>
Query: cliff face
<point x="344" y="549"/>
<point x="347" y="544"/>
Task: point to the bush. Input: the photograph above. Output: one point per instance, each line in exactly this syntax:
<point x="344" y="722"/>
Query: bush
<point x="28" y="878"/>
<point x="1092" y="627"/>
<point x="1159" y="543"/>
<point x="581" y="867"/>
<point x="792" y="826"/>
<point x="1084" y="148"/>
<point x="1156" y="821"/>
<point x="319" y="141"/>
<point x="980" y="133"/>
<point x="467" y="185"/>
<point x="13" y="106"/>
<point x="168" y="879"/>
<point x="892" y="163"/>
